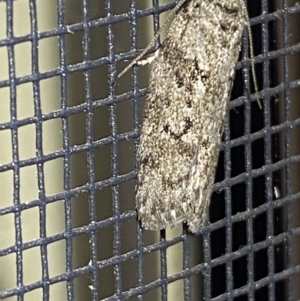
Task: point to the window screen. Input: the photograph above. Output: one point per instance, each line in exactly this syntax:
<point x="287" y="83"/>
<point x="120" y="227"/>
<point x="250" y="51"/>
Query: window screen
<point x="69" y="132"/>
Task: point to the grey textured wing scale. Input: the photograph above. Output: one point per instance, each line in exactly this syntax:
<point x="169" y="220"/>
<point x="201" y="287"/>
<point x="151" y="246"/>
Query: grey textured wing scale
<point x="186" y="104"/>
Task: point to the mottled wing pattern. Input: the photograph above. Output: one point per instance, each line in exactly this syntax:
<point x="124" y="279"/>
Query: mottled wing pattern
<point x="186" y="103"/>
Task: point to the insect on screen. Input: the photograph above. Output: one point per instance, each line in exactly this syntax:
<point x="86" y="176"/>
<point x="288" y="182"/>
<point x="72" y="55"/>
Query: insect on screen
<point x="69" y="159"/>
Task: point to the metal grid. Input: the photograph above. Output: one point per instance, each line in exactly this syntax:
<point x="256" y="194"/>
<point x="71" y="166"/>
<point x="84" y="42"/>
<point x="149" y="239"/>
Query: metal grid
<point x="249" y="249"/>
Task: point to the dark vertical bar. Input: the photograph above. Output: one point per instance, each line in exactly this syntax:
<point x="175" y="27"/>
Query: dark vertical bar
<point x="114" y="151"/>
<point x="186" y="264"/>
<point x="90" y="151"/>
<point x="164" y="271"/>
<point x="66" y="147"/>
<point x="156" y="20"/>
<point x="39" y="147"/>
<point x="228" y="223"/>
<point x="15" y="148"/>
<point x="207" y="266"/>
<point x="136" y="126"/>
<point x="248" y="169"/>
<point x="268" y="154"/>
<point x="288" y="153"/>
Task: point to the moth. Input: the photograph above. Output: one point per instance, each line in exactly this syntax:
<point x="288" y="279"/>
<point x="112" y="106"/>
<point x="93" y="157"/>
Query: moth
<point x="185" y="108"/>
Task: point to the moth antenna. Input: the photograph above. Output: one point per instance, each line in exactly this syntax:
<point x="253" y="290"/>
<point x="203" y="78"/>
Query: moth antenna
<point x="250" y="37"/>
<point x="171" y="15"/>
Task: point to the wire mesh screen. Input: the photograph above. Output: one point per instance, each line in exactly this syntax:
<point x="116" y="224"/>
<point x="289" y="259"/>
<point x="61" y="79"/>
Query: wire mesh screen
<point x="69" y="133"/>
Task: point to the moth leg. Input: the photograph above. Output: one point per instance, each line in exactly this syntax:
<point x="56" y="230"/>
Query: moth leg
<point x="149" y="59"/>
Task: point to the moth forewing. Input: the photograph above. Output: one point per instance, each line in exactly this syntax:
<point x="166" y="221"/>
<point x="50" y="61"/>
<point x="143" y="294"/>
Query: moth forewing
<point x="186" y="103"/>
